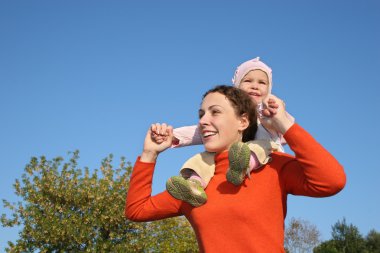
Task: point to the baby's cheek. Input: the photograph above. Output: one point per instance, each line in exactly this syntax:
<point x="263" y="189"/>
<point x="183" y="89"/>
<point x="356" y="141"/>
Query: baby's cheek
<point x="265" y="91"/>
<point x="244" y="88"/>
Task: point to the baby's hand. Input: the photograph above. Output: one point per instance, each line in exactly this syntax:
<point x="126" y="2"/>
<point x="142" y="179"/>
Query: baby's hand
<point x="157" y="138"/>
<point x="159" y="133"/>
<point x="269" y="109"/>
<point x="156" y="142"/>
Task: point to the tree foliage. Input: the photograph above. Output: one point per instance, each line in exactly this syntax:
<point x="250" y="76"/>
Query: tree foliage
<point x="301" y="236"/>
<point x="373" y="241"/>
<point x="346" y="238"/>
<point x="67" y="209"/>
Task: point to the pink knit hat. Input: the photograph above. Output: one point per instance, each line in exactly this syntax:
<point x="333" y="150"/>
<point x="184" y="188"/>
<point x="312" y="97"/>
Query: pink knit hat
<point x="247" y="66"/>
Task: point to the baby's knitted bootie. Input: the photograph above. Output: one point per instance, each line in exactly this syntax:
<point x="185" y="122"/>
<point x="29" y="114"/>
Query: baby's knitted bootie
<point x="188" y="190"/>
<point x="238" y="155"/>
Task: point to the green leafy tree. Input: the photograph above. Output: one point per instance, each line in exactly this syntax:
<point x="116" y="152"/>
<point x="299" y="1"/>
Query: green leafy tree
<point x="373" y="241"/>
<point x="301" y="236"/>
<point x="346" y="238"/>
<point x="326" y="247"/>
<point x="67" y="209"/>
<point x="171" y="235"/>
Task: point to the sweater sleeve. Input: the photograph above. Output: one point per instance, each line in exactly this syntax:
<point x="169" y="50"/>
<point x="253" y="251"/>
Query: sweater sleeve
<point x="187" y="135"/>
<point x="314" y="172"/>
<point x="140" y="205"/>
<point x="282" y="139"/>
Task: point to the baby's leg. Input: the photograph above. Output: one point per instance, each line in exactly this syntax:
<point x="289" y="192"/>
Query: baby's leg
<point x="195" y="175"/>
<point x="245" y="157"/>
<point x="192" y="175"/>
<point x="202" y="164"/>
<point x="261" y="150"/>
<point x="187" y="190"/>
<point x="239" y="156"/>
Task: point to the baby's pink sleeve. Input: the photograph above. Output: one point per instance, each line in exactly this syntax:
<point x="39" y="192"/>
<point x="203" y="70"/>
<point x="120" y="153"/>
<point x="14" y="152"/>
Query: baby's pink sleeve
<point x="187" y="135"/>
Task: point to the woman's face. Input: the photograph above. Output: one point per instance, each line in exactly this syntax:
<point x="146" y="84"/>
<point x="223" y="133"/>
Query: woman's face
<point x="219" y="125"/>
<point x="256" y="84"/>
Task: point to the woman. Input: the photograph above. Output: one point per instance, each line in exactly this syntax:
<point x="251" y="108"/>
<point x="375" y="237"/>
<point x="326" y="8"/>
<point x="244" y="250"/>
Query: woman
<point x="250" y="217"/>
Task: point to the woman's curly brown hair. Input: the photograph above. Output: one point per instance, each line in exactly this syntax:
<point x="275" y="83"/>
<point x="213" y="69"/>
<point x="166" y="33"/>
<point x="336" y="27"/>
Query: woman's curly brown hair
<point x="242" y="104"/>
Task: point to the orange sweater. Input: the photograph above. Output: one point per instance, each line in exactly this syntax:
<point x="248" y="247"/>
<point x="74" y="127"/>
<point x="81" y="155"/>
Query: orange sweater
<point x="248" y="218"/>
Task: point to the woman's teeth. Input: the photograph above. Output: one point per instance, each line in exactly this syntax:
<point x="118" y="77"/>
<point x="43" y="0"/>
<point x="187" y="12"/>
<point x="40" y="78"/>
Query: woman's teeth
<point x="208" y="134"/>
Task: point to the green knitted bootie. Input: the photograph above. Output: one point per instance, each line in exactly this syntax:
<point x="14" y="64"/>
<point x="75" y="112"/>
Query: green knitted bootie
<point x="238" y="155"/>
<point x="188" y="190"/>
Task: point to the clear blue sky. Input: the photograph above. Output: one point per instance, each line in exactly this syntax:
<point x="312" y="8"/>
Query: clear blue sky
<point x="93" y="75"/>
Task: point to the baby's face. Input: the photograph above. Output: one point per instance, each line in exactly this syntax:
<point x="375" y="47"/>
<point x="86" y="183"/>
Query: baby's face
<point x="256" y="84"/>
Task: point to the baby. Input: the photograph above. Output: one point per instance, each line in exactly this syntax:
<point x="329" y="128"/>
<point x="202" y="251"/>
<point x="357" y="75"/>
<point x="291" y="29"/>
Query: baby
<point x="254" y="77"/>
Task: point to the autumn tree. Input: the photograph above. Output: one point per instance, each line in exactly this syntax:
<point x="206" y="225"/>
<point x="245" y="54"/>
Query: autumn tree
<point x="301" y="236"/>
<point x="68" y="209"/>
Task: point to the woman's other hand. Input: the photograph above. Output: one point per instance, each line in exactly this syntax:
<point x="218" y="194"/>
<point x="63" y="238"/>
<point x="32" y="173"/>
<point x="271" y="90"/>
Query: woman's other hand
<point x="275" y="116"/>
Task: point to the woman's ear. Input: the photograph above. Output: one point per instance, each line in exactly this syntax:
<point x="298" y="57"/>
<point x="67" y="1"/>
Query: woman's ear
<point x="244" y="122"/>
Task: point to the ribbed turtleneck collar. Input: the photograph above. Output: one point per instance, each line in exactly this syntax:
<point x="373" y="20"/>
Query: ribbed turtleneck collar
<point x="221" y="162"/>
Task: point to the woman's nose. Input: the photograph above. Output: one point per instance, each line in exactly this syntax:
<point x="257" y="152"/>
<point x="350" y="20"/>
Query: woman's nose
<point x="203" y="120"/>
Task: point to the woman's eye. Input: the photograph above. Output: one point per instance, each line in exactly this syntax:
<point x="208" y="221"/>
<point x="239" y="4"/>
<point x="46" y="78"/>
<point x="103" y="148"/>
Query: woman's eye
<point x="215" y="112"/>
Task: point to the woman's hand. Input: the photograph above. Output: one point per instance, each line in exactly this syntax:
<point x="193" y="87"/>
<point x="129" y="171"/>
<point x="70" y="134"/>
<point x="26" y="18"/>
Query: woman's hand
<point x="158" y="138"/>
<point x="275" y="116"/>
